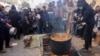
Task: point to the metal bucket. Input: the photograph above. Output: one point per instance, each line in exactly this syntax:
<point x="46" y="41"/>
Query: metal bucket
<point x="12" y="31"/>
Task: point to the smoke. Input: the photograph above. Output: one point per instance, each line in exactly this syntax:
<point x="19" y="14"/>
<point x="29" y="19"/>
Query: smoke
<point x="59" y="25"/>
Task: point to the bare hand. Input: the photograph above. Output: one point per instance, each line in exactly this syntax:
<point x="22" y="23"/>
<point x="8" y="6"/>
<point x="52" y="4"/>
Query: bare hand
<point x="2" y="19"/>
<point x="9" y="25"/>
<point x="83" y="23"/>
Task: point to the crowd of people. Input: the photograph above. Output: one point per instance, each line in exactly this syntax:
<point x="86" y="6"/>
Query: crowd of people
<point x="26" y="21"/>
<point x="49" y="20"/>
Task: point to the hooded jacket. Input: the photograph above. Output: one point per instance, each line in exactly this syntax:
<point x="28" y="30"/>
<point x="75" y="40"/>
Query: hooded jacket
<point x="88" y="12"/>
<point x="14" y="15"/>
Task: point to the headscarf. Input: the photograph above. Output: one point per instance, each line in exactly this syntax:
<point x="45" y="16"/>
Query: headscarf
<point x="88" y="12"/>
<point x="13" y="7"/>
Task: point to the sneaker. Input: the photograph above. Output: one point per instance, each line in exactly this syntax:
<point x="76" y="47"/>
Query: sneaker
<point x="2" y="51"/>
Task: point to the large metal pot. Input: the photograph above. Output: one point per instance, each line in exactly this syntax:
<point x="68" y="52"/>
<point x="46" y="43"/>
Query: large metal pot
<point x="60" y="47"/>
<point x="13" y="31"/>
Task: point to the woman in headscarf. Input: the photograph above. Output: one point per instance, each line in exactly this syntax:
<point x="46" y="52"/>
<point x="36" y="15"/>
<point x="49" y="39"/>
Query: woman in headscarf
<point x="88" y="21"/>
<point x="15" y="19"/>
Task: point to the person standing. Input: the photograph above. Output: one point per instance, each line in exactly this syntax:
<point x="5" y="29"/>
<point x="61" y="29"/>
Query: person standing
<point x="97" y="18"/>
<point x="15" y="20"/>
<point x="97" y="28"/>
<point x="88" y="21"/>
<point x="97" y="9"/>
<point x="51" y="13"/>
<point x="25" y="21"/>
<point x="59" y="9"/>
<point x="4" y="31"/>
<point x="46" y="26"/>
<point x="37" y="18"/>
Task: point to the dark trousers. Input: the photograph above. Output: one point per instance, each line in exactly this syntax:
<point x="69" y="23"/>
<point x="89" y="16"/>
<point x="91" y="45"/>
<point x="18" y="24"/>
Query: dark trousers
<point x="38" y="29"/>
<point x="4" y="36"/>
<point x="7" y="36"/>
<point x="1" y="37"/>
<point x="1" y="40"/>
<point x="17" y="36"/>
<point x="1" y="45"/>
<point x="88" y="36"/>
<point x="25" y="28"/>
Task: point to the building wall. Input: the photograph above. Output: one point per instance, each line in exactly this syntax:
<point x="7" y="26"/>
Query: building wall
<point x="97" y="2"/>
<point x="10" y="1"/>
<point x="51" y="0"/>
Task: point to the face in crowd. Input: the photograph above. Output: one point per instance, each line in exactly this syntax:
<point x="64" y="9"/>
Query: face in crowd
<point x="1" y="8"/>
<point x="44" y="8"/>
<point x="97" y="8"/>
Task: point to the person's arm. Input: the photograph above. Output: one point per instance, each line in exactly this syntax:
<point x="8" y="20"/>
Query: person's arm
<point x="9" y="25"/>
<point x="85" y="18"/>
<point x="1" y="19"/>
<point x="26" y="20"/>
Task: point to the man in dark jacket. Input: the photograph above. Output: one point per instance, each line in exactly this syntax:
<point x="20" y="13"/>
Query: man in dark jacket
<point x="51" y="13"/>
<point x="89" y="21"/>
<point x="46" y="26"/>
<point x="15" y="18"/>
